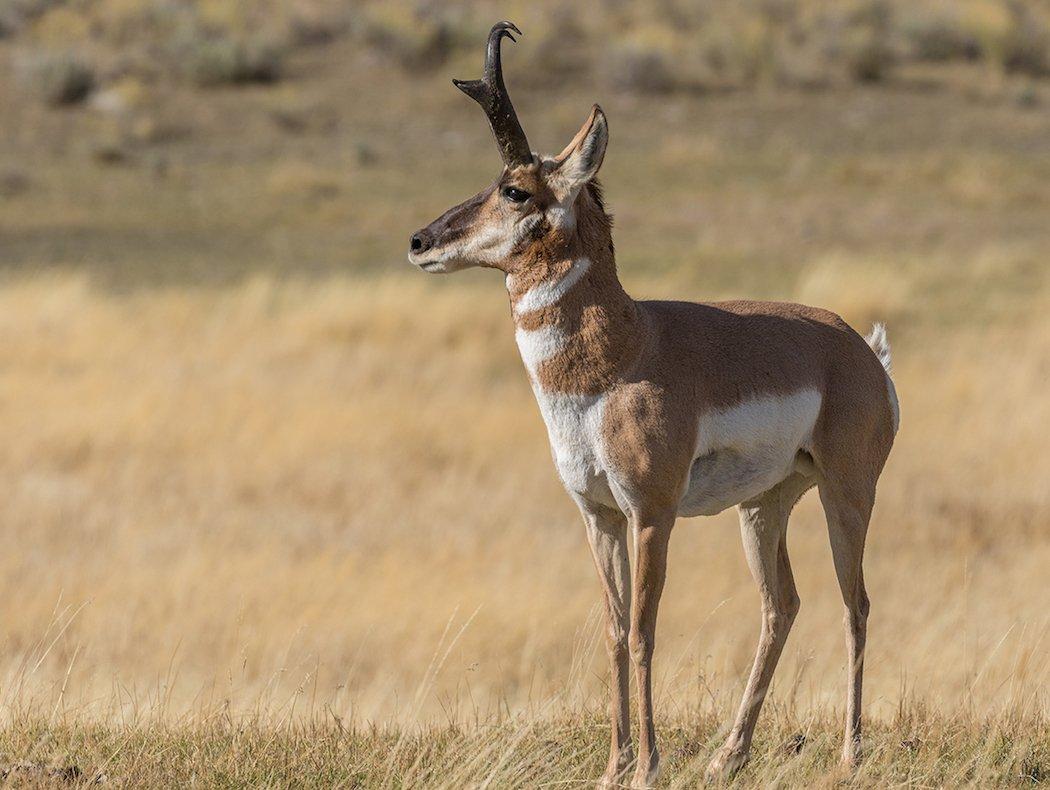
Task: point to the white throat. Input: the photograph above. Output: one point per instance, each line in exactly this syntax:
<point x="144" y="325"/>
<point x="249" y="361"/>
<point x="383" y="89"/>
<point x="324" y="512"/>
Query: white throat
<point x="539" y="345"/>
<point x="550" y="292"/>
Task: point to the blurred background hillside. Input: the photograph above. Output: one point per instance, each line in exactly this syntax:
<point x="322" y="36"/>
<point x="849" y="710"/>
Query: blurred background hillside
<point x="246" y="452"/>
<point x="232" y="136"/>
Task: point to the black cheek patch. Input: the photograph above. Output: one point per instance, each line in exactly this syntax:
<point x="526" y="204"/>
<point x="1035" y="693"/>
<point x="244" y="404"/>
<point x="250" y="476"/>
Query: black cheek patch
<point x="537" y="232"/>
<point x="541" y="229"/>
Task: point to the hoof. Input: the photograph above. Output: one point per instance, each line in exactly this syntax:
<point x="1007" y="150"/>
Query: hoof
<point x="645" y="775"/>
<point x="615" y="775"/>
<point x="851" y="759"/>
<point x="724" y="764"/>
<point x="851" y="754"/>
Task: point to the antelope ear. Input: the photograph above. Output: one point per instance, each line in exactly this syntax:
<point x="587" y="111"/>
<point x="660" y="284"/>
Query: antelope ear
<point x="582" y="157"/>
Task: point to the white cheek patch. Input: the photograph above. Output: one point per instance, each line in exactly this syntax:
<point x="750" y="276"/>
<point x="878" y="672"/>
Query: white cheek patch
<point x="561" y="215"/>
<point x="550" y="293"/>
<point x="491" y="244"/>
<point x="495" y="243"/>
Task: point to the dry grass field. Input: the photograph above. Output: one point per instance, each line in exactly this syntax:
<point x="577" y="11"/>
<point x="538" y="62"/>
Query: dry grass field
<point x="279" y="511"/>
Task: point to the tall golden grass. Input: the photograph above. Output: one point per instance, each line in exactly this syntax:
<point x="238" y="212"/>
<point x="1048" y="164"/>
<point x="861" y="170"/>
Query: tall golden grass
<point x="228" y="496"/>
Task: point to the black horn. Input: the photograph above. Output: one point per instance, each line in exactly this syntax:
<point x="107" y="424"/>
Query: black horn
<point x="491" y="94"/>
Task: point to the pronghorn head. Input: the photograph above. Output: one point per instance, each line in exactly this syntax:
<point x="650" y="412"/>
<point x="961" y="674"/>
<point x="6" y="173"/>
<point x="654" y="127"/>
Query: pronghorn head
<point x="533" y="202"/>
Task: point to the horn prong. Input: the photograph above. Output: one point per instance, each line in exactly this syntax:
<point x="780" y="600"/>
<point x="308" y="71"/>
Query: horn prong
<point x="491" y="93"/>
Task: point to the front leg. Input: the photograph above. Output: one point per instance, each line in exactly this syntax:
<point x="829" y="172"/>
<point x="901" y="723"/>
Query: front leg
<point x="607" y="535"/>
<point x="652" y="532"/>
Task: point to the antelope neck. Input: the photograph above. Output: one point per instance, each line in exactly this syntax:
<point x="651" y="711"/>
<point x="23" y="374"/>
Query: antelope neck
<point x="576" y="328"/>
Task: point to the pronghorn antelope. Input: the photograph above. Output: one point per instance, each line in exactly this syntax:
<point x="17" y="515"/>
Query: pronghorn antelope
<point x="663" y="409"/>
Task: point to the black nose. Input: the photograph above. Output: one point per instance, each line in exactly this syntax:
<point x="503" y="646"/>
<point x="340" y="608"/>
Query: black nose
<point x="420" y="242"/>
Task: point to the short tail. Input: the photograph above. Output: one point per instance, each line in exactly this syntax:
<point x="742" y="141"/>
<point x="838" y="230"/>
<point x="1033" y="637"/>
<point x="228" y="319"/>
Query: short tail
<point x="880" y="344"/>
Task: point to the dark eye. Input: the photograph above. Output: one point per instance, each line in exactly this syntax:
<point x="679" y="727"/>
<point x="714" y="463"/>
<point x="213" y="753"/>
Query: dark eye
<point x="515" y="194"/>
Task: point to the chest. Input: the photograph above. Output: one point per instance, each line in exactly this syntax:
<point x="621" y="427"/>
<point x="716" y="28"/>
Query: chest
<point x="574" y="427"/>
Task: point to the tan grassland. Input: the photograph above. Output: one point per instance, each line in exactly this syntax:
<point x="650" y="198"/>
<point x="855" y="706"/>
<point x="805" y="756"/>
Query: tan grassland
<point x="276" y="510"/>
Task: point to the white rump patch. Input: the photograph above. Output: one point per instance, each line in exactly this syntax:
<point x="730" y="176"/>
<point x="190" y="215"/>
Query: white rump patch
<point x="895" y="406"/>
<point x="548" y="293"/>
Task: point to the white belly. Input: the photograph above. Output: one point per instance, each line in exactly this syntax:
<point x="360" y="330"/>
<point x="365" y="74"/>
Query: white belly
<point x="747" y="449"/>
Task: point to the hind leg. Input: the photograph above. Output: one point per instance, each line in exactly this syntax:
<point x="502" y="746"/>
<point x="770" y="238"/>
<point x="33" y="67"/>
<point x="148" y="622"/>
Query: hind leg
<point x="763" y="528"/>
<point x="847" y="505"/>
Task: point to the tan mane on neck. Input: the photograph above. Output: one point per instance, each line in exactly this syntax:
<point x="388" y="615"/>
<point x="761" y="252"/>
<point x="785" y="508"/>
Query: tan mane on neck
<point x="594" y="224"/>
